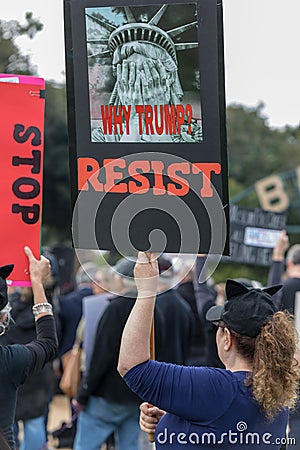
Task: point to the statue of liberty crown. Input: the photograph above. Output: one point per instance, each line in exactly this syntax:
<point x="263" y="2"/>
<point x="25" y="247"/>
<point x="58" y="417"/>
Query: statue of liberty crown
<point x="141" y="32"/>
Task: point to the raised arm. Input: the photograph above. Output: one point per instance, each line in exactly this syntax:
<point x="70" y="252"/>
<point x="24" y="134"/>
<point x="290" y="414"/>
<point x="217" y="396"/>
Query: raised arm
<point x="135" y="344"/>
<point x="39" y="269"/>
<point x="277" y="265"/>
<point x="44" y="348"/>
<point x="278" y="254"/>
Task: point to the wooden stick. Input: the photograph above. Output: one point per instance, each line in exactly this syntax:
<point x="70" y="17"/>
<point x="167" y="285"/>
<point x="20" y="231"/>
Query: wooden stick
<point x="152" y="356"/>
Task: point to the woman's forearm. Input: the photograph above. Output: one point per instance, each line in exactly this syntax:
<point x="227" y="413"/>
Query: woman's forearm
<point x="135" y="345"/>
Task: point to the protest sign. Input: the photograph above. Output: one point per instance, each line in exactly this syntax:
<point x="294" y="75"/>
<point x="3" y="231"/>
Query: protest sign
<point x="23" y="79"/>
<point x="21" y="163"/>
<point x="253" y="234"/>
<point x="146" y="117"/>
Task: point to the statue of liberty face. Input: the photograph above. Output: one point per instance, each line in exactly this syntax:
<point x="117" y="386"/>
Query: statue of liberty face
<point x="148" y="70"/>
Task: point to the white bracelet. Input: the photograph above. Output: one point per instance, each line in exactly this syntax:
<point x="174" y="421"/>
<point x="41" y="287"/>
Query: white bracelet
<point x="40" y="308"/>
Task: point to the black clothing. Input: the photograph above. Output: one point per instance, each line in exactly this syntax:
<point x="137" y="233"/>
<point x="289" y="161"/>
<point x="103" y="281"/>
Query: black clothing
<point x="197" y="350"/>
<point x="176" y="330"/>
<point x="290" y="287"/>
<point x="285" y="299"/>
<point x="34" y="394"/>
<point x="44" y="347"/>
<point x="205" y="298"/>
<point x="17" y="361"/>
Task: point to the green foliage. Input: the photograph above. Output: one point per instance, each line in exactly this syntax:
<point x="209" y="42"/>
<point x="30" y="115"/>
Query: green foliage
<point x="57" y="205"/>
<point x="254" y="149"/>
<point x="237" y="270"/>
<point x="11" y="58"/>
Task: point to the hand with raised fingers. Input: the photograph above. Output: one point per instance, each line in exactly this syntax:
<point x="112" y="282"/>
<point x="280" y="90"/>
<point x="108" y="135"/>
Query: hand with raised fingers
<point x="281" y="246"/>
<point x="146" y="275"/>
<point x="39" y="269"/>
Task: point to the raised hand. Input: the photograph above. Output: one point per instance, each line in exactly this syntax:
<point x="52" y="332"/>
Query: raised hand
<point x="39" y="269"/>
<point x="146" y="275"/>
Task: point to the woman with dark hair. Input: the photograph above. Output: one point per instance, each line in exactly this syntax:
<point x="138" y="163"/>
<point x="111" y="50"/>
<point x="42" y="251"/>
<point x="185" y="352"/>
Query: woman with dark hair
<point x="20" y="361"/>
<point x="243" y="406"/>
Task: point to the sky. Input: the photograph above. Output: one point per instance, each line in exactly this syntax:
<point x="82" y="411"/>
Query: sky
<point x="261" y="45"/>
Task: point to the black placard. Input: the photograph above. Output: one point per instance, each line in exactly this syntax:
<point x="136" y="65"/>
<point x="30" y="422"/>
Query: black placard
<point x="253" y="233"/>
<point x="146" y="117"/>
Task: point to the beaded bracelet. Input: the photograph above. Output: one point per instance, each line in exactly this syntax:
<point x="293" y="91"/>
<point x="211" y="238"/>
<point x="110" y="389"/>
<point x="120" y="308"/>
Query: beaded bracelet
<point x="40" y="308"/>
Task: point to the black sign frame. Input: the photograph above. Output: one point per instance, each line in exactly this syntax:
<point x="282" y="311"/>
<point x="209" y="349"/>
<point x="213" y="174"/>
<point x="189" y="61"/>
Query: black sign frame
<point x="213" y="147"/>
<point x="244" y="219"/>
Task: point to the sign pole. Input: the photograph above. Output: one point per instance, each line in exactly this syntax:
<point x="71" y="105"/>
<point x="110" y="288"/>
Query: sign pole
<point x="152" y="356"/>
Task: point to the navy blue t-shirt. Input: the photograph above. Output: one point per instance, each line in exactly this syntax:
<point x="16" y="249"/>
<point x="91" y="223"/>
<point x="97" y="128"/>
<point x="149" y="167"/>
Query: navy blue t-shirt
<point x="206" y="408"/>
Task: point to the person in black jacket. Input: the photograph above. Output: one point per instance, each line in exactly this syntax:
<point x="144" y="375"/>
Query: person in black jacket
<point x="175" y="333"/>
<point x="187" y="291"/>
<point x="20" y="361"/>
<point x="34" y="394"/>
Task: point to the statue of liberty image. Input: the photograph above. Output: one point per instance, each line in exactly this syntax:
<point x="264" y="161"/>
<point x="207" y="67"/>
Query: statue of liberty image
<point x="145" y="68"/>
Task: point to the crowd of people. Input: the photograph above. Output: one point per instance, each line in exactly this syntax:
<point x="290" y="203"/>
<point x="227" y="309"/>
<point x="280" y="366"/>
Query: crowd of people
<point x="218" y="352"/>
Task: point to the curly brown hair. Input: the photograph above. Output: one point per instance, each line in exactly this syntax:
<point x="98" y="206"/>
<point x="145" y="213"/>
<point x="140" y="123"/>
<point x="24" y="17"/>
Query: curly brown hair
<point x="275" y="375"/>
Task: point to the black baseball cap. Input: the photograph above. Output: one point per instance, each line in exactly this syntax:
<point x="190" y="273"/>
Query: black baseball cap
<point x="246" y="309"/>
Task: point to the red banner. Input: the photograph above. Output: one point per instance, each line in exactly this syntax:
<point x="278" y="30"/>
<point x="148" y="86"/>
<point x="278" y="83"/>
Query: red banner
<point x="21" y="173"/>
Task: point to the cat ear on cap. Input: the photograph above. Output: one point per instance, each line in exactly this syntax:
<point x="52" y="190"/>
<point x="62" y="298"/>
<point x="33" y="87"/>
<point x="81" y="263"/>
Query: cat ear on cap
<point x="5" y="271"/>
<point x="271" y="290"/>
<point x="234" y="288"/>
